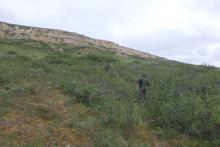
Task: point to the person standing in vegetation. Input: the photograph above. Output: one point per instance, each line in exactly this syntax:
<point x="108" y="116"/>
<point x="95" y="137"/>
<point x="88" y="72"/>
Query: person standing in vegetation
<point x="143" y="83"/>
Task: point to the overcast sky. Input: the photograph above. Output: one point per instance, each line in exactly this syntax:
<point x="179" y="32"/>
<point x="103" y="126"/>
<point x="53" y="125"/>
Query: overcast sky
<point x="183" y="30"/>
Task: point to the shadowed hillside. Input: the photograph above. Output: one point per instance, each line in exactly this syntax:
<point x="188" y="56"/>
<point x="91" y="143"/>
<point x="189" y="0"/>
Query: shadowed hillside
<point x="65" y="94"/>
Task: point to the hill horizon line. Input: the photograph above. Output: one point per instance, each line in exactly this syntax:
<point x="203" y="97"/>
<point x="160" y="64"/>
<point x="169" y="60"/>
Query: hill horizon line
<point x="57" y="36"/>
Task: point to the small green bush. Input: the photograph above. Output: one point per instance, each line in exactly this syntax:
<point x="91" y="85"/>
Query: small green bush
<point x="69" y="87"/>
<point x="15" y="91"/>
<point x="41" y="65"/>
<point x="60" y="59"/>
<point x="87" y="94"/>
<point x="175" y="108"/>
<point x="3" y="80"/>
<point x="107" y="137"/>
<point x="101" y="58"/>
<point x="124" y="114"/>
<point x="11" y="52"/>
<point x="24" y="58"/>
<point x="82" y="124"/>
<point x="81" y="92"/>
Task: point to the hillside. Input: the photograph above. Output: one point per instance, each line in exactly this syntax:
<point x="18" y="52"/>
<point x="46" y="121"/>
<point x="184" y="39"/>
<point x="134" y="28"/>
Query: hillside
<point x="11" y="31"/>
<point x="85" y="93"/>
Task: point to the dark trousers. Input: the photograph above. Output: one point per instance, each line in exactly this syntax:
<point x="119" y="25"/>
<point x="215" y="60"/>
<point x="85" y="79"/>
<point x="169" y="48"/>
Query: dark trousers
<point x="142" y="94"/>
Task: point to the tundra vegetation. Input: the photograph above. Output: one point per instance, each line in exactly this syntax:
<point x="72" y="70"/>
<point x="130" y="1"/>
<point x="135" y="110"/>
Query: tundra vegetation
<point x="88" y="97"/>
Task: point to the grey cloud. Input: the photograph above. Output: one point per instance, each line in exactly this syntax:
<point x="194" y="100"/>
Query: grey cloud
<point x="91" y="18"/>
<point x="94" y="18"/>
<point x="7" y="16"/>
<point x="179" y="46"/>
<point x="208" y="5"/>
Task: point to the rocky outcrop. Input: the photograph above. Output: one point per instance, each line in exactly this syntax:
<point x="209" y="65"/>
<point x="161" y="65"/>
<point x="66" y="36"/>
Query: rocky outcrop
<point x="11" y="31"/>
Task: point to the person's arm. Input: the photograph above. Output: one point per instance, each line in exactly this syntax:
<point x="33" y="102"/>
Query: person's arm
<point x="139" y="83"/>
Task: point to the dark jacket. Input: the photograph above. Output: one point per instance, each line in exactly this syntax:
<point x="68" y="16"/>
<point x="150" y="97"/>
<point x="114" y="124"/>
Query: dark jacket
<point x="143" y="83"/>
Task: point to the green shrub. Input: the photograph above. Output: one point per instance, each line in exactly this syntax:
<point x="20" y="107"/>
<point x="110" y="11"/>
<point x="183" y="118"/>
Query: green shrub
<point x="3" y="80"/>
<point x="4" y="106"/>
<point x="184" y="112"/>
<point x="34" y="73"/>
<point x="24" y="58"/>
<point x="11" y="52"/>
<point x="69" y="87"/>
<point x="82" y="124"/>
<point x="41" y="65"/>
<point x="107" y="137"/>
<point x="87" y="94"/>
<point x="101" y="58"/>
<point x="124" y="114"/>
<point x="36" y="143"/>
<point x="81" y="92"/>
<point x="60" y="59"/>
<point x="15" y="91"/>
<point x="182" y="115"/>
<point x="132" y="115"/>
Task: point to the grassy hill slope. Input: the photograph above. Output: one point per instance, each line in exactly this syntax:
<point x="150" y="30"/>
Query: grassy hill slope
<point x="88" y="97"/>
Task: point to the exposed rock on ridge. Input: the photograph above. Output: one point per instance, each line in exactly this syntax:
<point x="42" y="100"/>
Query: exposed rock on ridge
<point x="11" y="31"/>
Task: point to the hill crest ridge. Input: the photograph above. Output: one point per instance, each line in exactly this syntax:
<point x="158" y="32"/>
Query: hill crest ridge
<point x="13" y="31"/>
